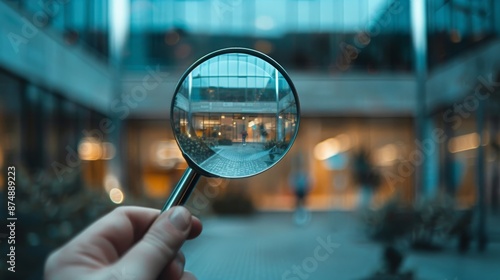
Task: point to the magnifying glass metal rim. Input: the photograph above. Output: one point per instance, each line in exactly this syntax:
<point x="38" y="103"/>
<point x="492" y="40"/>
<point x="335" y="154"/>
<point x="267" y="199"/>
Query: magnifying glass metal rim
<point x="191" y="163"/>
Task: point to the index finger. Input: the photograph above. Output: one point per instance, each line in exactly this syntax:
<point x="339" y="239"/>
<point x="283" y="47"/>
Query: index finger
<point x="112" y="235"/>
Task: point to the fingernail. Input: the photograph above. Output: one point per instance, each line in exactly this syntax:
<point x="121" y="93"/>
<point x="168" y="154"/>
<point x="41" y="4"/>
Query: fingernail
<point x="179" y="218"/>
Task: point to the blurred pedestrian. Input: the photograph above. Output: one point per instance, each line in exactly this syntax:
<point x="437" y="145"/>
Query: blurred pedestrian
<point x="263" y="132"/>
<point x="244" y="135"/>
<point x="300" y="182"/>
<point x="367" y="178"/>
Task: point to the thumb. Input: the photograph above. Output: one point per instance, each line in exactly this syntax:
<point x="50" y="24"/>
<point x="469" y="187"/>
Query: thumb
<point x="159" y="246"/>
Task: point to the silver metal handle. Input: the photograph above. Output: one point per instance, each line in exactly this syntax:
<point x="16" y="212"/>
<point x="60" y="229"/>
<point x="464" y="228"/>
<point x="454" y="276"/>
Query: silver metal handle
<point x="183" y="189"/>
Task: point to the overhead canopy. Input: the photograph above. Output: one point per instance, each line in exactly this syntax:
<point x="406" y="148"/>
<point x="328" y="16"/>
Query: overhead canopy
<point x="234" y="71"/>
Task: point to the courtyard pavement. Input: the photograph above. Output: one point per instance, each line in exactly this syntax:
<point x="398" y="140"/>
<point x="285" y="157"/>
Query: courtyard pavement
<point x="238" y="160"/>
<point x="332" y="245"/>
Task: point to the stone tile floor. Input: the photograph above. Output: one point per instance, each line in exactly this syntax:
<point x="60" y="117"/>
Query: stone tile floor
<point x="238" y="160"/>
<point x="331" y="246"/>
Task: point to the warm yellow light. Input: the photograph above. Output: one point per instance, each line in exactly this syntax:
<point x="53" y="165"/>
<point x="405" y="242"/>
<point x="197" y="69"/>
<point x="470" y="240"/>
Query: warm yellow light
<point x="210" y="122"/>
<point x="326" y="149"/>
<point x="463" y="142"/>
<point x="111" y="182"/>
<point x="108" y="150"/>
<point x="251" y="123"/>
<point x="89" y="149"/>
<point x="219" y="134"/>
<point x="344" y="142"/>
<point x="166" y="154"/>
<point x="222" y="117"/>
<point x="386" y="155"/>
<point x="331" y="146"/>
<point x="116" y="195"/>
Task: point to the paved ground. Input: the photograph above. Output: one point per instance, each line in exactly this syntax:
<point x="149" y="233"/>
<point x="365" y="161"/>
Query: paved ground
<point x="238" y="160"/>
<point x="331" y="246"/>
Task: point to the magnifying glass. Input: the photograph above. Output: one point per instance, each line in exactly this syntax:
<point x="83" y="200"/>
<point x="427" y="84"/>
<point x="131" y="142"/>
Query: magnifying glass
<point x="235" y="113"/>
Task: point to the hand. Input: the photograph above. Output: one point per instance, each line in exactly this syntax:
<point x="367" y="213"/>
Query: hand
<point x="130" y="243"/>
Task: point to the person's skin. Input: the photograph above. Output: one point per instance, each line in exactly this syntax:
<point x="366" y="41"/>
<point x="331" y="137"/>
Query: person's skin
<point x="130" y="243"/>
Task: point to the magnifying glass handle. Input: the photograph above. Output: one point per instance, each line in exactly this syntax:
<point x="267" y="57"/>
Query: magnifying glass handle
<point x="183" y="189"/>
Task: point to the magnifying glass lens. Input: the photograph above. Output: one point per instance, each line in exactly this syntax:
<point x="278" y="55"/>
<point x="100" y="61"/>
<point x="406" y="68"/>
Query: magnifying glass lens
<point x="235" y="114"/>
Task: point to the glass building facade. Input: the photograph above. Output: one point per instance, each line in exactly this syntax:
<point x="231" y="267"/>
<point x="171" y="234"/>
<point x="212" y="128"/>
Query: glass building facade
<point x="86" y="92"/>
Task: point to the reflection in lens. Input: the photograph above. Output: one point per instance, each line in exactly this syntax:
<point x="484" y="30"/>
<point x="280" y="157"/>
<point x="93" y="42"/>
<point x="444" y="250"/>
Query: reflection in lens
<point x="235" y="115"/>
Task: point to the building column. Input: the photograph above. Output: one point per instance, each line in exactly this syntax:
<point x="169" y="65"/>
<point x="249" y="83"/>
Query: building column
<point x="419" y="38"/>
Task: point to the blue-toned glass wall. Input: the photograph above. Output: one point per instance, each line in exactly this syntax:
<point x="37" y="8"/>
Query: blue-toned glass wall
<point x="81" y="22"/>
<point x="343" y="34"/>
<point x="47" y="104"/>
<point x="302" y="35"/>
<point x="456" y="27"/>
<point x="253" y="18"/>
